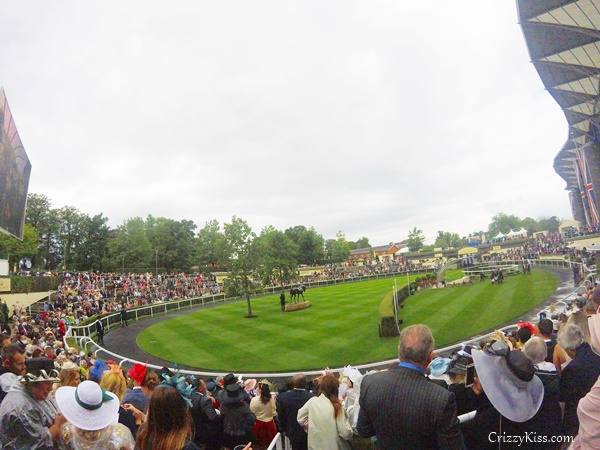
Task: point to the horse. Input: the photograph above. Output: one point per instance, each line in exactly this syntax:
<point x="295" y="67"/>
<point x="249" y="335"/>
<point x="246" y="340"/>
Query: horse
<point x="296" y="292"/>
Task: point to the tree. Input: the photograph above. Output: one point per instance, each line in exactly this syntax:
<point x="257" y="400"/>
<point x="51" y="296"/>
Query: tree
<point x="415" y="239"/>
<point x="14" y="249"/>
<point x="550" y="224"/>
<point x="129" y="246"/>
<point x="503" y="223"/>
<point x="278" y="256"/>
<point x="70" y="223"/>
<point x="38" y="209"/>
<point x="363" y="242"/>
<point x="446" y="239"/>
<point x="172" y="242"/>
<point x="338" y="250"/>
<point x="45" y="220"/>
<point x="310" y="244"/>
<point x="91" y="252"/>
<point x="531" y="225"/>
<point x="240" y="257"/>
<point x="210" y="245"/>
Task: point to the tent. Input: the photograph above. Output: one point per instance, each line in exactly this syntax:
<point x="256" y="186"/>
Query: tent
<point x="499" y="236"/>
<point x="467" y="251"/>
<point x="517" y="233"/>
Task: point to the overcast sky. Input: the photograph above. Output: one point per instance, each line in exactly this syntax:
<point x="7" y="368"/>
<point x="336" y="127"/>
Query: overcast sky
<point x="369" y="117"/>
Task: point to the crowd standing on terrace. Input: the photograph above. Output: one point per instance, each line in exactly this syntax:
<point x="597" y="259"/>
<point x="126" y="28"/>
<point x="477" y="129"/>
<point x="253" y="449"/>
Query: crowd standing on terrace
<point x="536" y="388"/>
<point x="517" y="385"/>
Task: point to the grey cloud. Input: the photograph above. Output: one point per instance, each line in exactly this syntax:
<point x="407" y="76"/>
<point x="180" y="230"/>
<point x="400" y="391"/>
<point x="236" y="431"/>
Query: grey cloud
<point x="369" y="117"/>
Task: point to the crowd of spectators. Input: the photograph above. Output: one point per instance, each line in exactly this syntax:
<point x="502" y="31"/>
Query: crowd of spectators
<point x="538" y="385"/>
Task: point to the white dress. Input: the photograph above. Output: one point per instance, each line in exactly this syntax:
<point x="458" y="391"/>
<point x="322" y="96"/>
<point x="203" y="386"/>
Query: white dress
<point x="324" y="431"/>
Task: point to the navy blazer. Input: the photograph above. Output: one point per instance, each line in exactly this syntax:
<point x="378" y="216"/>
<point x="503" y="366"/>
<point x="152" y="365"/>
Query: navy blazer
<point x="288" y="404"/>
<point x="137" y="398"/>
<point x="576" y="380"/>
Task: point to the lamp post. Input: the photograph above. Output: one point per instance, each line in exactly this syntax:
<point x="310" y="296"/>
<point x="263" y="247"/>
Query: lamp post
<point x="123" y="262"/>
<point x="156" y="262"/>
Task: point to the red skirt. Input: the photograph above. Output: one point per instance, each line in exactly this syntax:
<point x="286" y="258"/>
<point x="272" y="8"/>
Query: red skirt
<point x="265" y="432"/>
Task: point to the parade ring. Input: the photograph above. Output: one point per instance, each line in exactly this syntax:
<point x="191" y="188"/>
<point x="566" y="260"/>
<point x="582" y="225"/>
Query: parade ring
<point x="222" y="340"/>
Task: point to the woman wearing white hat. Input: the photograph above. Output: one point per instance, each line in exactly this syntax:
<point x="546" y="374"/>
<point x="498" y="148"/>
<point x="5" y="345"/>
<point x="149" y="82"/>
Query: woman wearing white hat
<point x="92" y="415"/>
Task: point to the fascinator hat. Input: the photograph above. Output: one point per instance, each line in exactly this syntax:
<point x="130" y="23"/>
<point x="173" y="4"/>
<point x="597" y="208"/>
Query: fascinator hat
<point x="179" y="383"/>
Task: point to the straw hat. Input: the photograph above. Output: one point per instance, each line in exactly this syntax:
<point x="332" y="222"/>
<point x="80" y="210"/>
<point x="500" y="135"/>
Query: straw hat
<point x="88" y="406"/>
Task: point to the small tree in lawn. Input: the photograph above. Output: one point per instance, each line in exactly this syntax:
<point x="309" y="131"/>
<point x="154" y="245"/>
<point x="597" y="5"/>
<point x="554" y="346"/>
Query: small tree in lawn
<point x="240" y="257"/>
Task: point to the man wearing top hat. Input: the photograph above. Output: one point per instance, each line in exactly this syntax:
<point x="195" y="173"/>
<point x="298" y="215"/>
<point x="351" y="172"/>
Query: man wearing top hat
<point x="28" y="417"/>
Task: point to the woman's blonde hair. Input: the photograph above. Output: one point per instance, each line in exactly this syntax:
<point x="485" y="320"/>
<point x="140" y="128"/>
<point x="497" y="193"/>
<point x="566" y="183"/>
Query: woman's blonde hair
<point x="114" y="382"/>
<point x="69" y="377"/>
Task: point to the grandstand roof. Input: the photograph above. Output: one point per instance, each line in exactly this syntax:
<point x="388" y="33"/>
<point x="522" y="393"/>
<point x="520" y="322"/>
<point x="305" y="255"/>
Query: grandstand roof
<point x="563" y="40"/>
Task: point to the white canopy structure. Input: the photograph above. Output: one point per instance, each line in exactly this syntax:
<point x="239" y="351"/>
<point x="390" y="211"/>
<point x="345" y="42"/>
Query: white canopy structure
<point x="517" y="233"/>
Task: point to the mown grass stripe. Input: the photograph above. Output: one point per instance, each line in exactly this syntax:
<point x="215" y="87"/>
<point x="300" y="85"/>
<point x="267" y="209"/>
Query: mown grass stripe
<point x="340" y="327"/>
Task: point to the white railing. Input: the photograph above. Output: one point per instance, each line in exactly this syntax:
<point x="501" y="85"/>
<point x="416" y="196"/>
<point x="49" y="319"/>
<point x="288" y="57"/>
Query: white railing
<point x="164" y="307"/>
<point x="82" y="333"/>
<point x="280" y="442"/>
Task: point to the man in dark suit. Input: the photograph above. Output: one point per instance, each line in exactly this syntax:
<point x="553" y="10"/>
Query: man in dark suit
<point x="282" y="301"/>
<point x="288" y="404"/>
<point x="100" y="332"/>
<point x="402" y="407"/>
<point x="578" y="377"/>
<point x="207" y="424"/>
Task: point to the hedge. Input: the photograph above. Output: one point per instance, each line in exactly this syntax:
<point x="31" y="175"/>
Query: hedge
<point x="24" y="285"/>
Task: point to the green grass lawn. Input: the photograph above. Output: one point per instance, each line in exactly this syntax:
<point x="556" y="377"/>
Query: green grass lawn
<point x="340" y="328"/>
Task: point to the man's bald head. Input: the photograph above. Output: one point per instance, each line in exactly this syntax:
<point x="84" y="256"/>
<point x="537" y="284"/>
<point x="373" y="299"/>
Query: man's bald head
<point x="416" y="344"/>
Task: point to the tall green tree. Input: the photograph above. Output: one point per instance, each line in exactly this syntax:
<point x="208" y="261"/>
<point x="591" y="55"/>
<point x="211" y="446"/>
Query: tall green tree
<point x="338" y="250"/>
<point x="363" y="242"/>
<point x="503" y="223"/>
<point x="549" y="224"/>
<point x="173" y="242"/>
<point x="278" y="256"/>
<point x="210" y="245"/>
<point x="240" y="257"/>
<point x="310" y="244"/>
<point x="70" y="234"/>
<point x="14" y="249"/>
<point x="416" y="239"/>
<point x="46" y="221"/>
<point x="92" y="249"/>
<point x="446" y="239"/>
<point x="129" y="246"/>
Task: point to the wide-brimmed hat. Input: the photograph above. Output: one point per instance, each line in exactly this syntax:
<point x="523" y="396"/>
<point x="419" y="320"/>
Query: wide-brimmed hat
<point x="353" y="375"/>
<point x="88" y="406"/>
<point x="233" y="394"/>
<point x="229" y="379"/>
<point x="38" y="370"/>
<point x="509" y="381"/>
<point x="439" y="366"/>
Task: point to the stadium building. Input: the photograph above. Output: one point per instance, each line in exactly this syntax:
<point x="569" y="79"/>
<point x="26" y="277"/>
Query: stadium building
<point x="563" y="37"/>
